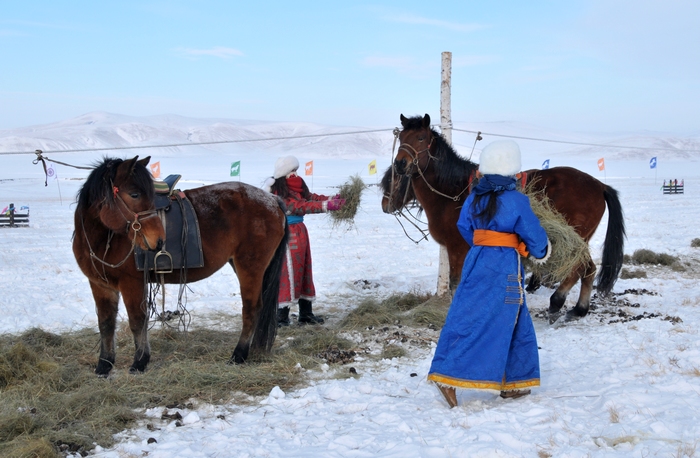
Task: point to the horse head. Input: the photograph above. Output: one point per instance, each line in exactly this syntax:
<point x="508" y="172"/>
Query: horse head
<point x="416" y="140"/>
<point x="122" y="195"/>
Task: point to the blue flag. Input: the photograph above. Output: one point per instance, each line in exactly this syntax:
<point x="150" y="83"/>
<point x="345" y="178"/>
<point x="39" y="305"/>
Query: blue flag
<point x="545" y="164"/>
<point x="652" y="163"/>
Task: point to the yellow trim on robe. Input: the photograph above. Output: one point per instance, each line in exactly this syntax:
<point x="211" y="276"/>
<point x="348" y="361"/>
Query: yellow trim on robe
<point x="472" y="384"/>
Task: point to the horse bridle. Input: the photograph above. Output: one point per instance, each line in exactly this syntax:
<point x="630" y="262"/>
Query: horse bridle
<point x="415" y="161"/>
<point x="134" y="225"/>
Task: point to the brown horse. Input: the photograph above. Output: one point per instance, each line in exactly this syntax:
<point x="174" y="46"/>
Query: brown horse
<point x="239" y="224"/>
<point x="427" y="168"/>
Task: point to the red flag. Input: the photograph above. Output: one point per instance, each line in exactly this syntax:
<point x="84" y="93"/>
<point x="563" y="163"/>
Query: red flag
<point x="601" y="164"/>
<point x="309" y="168"/>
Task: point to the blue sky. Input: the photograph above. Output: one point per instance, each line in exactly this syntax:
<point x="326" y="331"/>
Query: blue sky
<point x="598" y="65"/>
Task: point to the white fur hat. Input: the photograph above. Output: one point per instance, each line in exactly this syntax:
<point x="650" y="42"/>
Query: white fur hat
<point x="501" y="157"/>
<point x="284" y="166"/>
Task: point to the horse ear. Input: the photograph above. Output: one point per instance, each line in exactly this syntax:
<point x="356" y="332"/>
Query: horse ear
<point x="144" y="161"/>
<point x="130" y="164"/>
<point x="403" y="120"/>
<point x="426" y="121"/>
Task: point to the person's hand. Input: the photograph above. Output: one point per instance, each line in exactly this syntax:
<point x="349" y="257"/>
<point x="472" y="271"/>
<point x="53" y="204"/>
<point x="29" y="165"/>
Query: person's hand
<point x="544" y="258"/>
<point x="335" y="204"/>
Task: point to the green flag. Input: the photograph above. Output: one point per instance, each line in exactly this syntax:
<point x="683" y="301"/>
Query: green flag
<point x="236" y="169"/>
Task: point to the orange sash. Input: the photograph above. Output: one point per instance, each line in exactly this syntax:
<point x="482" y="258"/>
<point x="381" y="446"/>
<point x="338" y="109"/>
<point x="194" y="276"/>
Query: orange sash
<point x="484" y="237"/>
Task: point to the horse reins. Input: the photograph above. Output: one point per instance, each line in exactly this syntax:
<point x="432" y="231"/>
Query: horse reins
<point x="399" y="212"/>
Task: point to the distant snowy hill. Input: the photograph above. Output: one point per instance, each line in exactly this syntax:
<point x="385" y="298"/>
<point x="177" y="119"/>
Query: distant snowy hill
<point x="217" y="142"/>
<point x="101" y="130"/>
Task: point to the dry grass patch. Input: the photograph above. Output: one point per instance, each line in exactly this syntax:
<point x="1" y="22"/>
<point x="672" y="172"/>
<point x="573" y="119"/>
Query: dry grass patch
<point x="627" y="274"/>
<point x="50" y="393"/>
<point x="51" y="402"/>
<point x="695" y="243"/>
<point x="413" y="309"/>
<point x="644" y="256"/>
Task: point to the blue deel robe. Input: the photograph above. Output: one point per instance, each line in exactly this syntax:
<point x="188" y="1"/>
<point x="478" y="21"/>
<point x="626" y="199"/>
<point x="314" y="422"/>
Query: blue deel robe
<point x="488" y="340"/>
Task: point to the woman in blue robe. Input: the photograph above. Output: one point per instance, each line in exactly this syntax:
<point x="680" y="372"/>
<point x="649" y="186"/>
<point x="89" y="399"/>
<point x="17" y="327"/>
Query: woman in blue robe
<point x="488" y="340"/>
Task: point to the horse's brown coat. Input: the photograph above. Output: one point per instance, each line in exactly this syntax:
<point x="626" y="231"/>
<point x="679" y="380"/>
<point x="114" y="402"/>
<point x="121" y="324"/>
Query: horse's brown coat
<point x="427" y="169"/>
<point x="239" y="224"/>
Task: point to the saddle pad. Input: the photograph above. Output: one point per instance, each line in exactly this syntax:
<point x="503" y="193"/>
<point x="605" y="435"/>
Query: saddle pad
<point x="183" y="241"/>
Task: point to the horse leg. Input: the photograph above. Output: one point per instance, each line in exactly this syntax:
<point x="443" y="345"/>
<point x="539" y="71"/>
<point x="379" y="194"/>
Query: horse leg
<point x="557" y="299"/>
<point x="584" y="298"/>
<point x="251" y="296"/>
<point x="137" y="310"/>
<point x="534" y="283"/>
<point x="106" y="305"/>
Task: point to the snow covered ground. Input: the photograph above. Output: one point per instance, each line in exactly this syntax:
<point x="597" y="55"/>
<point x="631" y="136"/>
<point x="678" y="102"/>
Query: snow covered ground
<point x="613" y="389"/>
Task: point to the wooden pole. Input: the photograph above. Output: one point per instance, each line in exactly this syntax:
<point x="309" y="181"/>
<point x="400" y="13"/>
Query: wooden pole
<point x="443" y="283"/>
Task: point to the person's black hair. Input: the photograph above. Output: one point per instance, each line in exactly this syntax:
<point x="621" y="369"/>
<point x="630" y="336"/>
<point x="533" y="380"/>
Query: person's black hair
<point x="490" y="209"/>
<point x="280" y="188"/>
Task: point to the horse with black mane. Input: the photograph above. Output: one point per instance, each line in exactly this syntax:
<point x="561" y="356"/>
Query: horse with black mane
<point x="239" y="224"/>
<point x="427" y="168"/>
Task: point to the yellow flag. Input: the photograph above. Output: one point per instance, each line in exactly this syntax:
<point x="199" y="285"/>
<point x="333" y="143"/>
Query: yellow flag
<point x="373" y="167"/>
<point x="309" y="168"/>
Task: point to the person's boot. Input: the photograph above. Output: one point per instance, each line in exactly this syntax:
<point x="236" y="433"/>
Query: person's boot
<point x="306" y="316"/>
<point x="283" y="317"/>
<point x="448" y="392"/>
<point x="514" y="394"/>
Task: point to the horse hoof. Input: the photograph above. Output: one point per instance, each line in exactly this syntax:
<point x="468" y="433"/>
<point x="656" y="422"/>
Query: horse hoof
<point x="236" y="359"/>
<point x="135" y="371"/>
<point x="103" y="368"/>
<point x="553" y="317"/>
<point x="571" y="315"/>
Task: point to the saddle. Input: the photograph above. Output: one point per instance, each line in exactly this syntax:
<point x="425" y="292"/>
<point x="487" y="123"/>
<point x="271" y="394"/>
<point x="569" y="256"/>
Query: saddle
<point x="182" y="248"/>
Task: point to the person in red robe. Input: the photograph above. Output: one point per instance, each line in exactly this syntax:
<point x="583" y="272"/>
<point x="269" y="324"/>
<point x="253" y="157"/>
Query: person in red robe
<point x="297" y="282"/>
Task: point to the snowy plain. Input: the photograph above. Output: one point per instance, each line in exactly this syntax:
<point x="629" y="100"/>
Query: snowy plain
<point x="609" y="389"/>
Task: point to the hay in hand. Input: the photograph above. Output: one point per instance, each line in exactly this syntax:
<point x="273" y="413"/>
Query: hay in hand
<point x="569" y="250"/>
<point x="351" y="191"/>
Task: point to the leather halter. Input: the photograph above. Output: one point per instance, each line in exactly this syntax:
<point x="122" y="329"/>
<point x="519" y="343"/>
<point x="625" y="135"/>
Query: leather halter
<point x="135" y="224"/>
<point x="415" y="155"/>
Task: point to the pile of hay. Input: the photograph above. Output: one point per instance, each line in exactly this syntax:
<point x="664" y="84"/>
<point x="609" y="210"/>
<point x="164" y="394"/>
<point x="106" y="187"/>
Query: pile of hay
<point x="569" y="250"/>
<point x="351" y="191"/>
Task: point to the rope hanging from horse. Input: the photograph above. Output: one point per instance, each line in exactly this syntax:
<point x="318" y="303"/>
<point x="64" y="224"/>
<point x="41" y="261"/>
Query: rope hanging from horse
<point x="410" y="218"/>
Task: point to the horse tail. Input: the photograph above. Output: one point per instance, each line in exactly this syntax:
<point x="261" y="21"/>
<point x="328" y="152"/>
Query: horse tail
<point x="613" y="248"/>
<point x="266" y="329"/>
